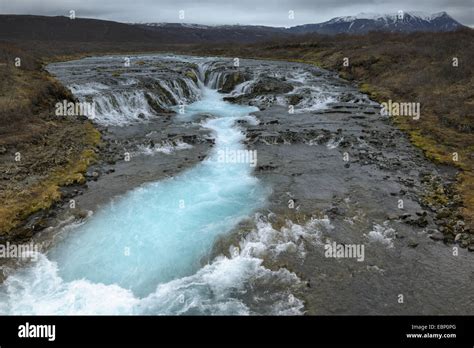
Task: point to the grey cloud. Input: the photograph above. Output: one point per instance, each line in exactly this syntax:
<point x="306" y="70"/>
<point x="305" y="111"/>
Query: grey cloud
<point x="263" y="12"/>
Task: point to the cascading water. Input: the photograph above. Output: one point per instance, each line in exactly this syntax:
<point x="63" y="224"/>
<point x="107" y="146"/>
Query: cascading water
<point x="122" y="97"/>
<point x="161" y="231"/>
<point x="142" y="253"/>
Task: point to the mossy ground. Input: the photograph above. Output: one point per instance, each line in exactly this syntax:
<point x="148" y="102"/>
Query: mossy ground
<point x="54" y="151"/>
<point x="26" y="197"/>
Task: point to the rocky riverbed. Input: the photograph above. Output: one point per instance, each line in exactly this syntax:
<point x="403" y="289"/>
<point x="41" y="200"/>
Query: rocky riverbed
<point x="337" y="170"/>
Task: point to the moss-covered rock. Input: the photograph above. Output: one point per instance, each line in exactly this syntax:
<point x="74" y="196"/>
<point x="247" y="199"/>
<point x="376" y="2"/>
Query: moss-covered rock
<point x="192" y="75"/>
<point x="231" y="80"/>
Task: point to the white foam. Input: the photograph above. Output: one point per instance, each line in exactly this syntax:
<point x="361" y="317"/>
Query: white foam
<point x="38" y="289"/>
<point x="383" y="234"/>
<point x="222" y="287"/>
<point x="88" y="88"/>
<point x="267" y="242"/>
<point x="314" y="98"/>
<point x="166" y="147"/>
<point x="334" y="143"/>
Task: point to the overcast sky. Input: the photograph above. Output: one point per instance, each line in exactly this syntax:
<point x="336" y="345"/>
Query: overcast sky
<point x="262" y="12"/>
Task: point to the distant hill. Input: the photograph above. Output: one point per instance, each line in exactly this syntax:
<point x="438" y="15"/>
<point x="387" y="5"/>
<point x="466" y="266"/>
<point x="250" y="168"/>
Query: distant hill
<point x="68" y="31"/>
<point x="19" y="27"/>
<point x="195" y="33"/>
<point x="42" y="28"/>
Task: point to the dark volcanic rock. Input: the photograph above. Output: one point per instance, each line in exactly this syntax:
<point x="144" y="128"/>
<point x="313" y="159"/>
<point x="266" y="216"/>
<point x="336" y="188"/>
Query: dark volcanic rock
<point x="266" y="85"/>
<point x="231" y="80"/>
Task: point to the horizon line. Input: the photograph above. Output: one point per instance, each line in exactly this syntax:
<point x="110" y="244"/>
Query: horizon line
<point x="234" y="24"/>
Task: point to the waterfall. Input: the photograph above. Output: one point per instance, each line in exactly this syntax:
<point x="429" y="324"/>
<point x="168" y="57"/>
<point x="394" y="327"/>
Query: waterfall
<point x="121" y="100"/>
<point x="121" y="108"/>
<point x="142" y="253"/>
<point x="145" y="252"/>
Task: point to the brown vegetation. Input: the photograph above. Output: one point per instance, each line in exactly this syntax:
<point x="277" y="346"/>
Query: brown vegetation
<point x="53" y="151"/>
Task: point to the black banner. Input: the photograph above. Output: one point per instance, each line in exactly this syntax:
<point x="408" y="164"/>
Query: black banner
<point x="311" y="330"/>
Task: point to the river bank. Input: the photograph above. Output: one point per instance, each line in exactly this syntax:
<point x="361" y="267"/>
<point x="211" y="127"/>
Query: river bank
<point x="39" y="152"/>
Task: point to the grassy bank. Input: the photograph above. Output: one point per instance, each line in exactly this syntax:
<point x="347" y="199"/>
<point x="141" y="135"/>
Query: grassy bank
<point x="39" y="152"/>
<point x="416" y="68"/>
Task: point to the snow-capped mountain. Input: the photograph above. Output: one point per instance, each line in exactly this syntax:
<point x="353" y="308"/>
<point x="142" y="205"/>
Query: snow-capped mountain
<point x="394" y="22"/>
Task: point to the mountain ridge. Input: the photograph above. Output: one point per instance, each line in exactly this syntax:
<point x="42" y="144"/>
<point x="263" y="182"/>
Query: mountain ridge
<point x="362" y="23"/>
<point x="62" y="29"/>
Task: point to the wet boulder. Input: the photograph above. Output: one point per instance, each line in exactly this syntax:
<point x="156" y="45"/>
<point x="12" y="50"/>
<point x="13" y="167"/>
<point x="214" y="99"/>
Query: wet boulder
<point x="270" y="85"/>
<point x="240" y="99"/>
<point x="294" y="99"/>
<point x="192" y="75"/>
<point x="231" y="80"/>
<point x="154" y="105"/>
